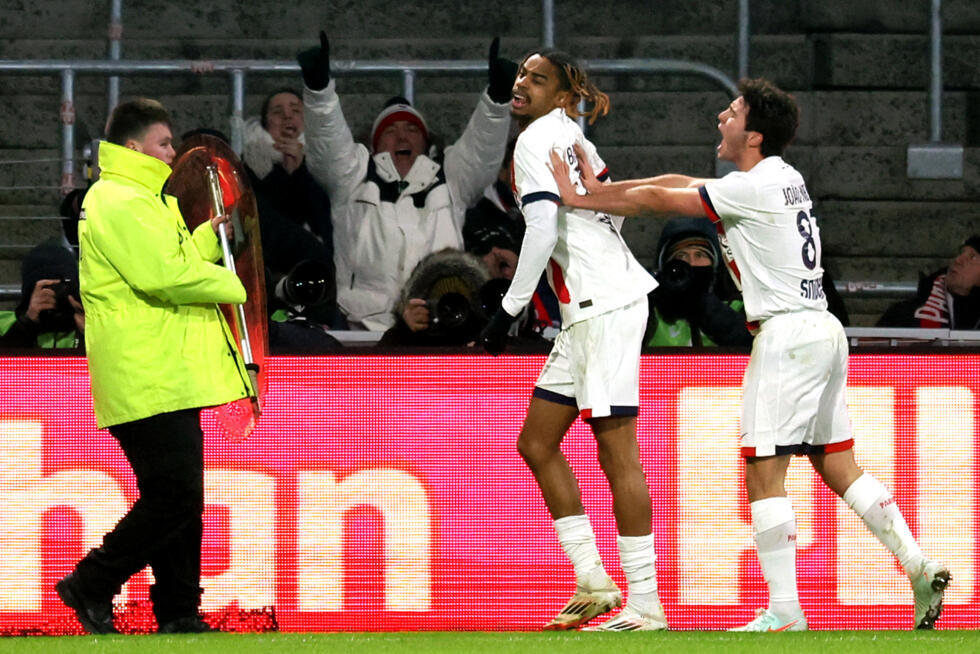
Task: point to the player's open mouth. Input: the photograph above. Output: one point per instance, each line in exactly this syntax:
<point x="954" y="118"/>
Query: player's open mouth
<point x="518" y="101"/>
<point x="403" y="153"/>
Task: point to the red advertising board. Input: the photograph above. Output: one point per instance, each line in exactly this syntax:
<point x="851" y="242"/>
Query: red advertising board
<point x="385" y="493"/>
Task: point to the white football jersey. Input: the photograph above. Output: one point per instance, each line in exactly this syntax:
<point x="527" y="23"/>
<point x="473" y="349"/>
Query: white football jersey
<point x="588" y="264"/>
<point x="769" y="237"/>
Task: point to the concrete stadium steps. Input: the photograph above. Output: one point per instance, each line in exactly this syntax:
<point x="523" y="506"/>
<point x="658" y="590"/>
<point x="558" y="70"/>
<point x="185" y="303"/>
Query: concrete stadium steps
<point x="930" y="230"/>
<point x="892" y="60"/>
<point x="381" y="19"/>
<point x="24" y="231"/>
<point x="29" y="176"/>
<point x="879" y="173"/>
<point x="959" y="16"/>
<point x="378" y="18"/>
<point x="24" y="167"/>
<point x="21" y="228"/>
<point x="796" y="60"/>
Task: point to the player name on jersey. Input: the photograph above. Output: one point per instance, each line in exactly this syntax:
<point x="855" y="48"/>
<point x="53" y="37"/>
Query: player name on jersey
<point x="795" y="195"/>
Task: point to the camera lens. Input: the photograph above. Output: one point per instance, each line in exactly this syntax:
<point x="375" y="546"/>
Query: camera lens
<point x="306" y="284"/>
<point x="492" y="294"/>
<point x="452" y="310"/>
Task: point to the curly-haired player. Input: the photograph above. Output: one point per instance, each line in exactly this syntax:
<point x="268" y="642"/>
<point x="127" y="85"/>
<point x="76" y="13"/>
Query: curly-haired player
<point x="593" y="368"/>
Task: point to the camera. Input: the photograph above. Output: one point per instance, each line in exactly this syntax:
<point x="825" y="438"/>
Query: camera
<point x="308" y="283"/>
<point x="62" y="316"/>
<point x="452" y="310"/>
<point x="681" y="278"/>
<point x="449" y="311"/>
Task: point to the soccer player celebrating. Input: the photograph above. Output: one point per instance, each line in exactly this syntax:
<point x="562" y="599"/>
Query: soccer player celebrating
<point x="593" y="368"/>
<point x="794" y="385"/>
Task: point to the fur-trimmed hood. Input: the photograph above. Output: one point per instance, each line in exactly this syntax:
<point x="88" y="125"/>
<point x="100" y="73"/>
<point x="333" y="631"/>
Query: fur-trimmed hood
<point x="449" y="270"/>
<point x="259" y="153"/>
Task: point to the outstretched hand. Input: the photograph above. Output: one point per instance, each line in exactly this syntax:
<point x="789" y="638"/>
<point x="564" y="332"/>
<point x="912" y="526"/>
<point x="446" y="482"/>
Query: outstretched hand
<point x="560" y="171"/>
<point x="585" y="172"/>
<point x="315" y="63"/>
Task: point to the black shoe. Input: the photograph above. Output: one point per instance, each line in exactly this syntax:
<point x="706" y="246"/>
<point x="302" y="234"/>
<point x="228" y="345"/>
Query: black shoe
<point x="96" y="617"/>
<point x="191" y="624"/>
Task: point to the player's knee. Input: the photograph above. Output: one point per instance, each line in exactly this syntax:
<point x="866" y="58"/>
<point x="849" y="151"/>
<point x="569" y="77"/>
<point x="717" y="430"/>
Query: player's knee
<point x="533" y="450"/>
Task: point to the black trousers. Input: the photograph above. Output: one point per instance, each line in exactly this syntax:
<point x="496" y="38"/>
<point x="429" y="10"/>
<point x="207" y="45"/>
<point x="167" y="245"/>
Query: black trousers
<point x="164" y="526"/>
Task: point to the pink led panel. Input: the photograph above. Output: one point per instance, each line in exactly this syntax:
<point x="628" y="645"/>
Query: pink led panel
<point x="385" y="493"/>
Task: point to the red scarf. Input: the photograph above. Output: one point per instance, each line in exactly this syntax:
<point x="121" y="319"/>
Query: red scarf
<point x="935" y="312"/>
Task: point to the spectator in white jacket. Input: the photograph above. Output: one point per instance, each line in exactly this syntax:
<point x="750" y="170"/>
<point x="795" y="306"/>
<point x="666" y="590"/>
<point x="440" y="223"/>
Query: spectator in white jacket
<point x="393" y="205"/>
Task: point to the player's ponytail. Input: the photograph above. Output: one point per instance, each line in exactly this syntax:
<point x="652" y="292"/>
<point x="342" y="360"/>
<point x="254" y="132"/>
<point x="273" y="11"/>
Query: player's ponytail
<point x="575" y="79"/>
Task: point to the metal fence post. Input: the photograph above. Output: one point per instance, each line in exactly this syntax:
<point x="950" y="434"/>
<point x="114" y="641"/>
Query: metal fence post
<point x="238" y="111"/>
<point x="67" y="114"/>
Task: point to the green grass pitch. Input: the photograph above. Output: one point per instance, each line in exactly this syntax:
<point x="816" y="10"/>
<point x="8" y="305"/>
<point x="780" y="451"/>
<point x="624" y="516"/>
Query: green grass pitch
<point x="681" y="642"/>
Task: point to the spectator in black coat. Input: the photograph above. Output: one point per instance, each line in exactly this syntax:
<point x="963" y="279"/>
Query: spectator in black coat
<point x="948" y="298"/>
<point x="294" y="210"/>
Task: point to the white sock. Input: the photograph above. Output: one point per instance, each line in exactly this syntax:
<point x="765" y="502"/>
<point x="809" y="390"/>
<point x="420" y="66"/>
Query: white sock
<point x="876" y="506"/>
<point x="578" y="541"/>
<point x="775" y="541"/>
<point x="638" y="559"/>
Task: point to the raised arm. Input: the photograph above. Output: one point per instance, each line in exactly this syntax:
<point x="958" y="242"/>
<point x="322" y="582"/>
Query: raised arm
<point x="333" y="158"/>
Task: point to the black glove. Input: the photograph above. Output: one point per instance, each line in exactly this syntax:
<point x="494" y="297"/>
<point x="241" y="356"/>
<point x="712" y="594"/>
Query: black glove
<point x="502" y="73"/>
<point x="315" y="63"/>
<point x="493" y="337"/>
<point x="723" y="324"/>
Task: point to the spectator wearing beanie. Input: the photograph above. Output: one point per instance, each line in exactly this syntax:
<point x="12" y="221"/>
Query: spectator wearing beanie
<point x="394" y="204"/>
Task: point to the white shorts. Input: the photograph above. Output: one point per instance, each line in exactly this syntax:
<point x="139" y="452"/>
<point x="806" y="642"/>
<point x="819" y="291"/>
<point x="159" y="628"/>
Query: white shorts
<point x="594" y="364"/>
<point x="794" y="387"/>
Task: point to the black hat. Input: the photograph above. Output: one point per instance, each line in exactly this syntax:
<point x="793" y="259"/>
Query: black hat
<point x="479" y="238"/>
<point x="684" y="231"/>
<point x="973" y="242"/>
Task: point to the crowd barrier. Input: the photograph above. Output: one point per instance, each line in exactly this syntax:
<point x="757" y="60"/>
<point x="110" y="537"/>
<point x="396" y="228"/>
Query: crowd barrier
<point x="385" y="493"/>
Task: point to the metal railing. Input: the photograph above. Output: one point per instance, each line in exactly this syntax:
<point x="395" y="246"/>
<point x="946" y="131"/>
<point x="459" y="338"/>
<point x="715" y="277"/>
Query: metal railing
<point x="856" y="289"/>
<point x="895" y="336"/>
<point x="237" y="70"/>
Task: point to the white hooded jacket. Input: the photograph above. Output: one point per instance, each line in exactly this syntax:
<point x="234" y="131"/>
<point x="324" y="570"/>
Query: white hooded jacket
<point x="384" y="225"/>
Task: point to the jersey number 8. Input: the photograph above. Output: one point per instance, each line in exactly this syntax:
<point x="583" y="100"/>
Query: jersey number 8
<point x="809" y="250"/>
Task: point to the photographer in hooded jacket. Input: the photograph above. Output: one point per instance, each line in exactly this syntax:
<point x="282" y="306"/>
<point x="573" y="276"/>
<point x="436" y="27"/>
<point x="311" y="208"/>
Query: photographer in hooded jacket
<point x="445" y="301"/>
<point x="696" y="303"/>
<point x="50" y="313"/>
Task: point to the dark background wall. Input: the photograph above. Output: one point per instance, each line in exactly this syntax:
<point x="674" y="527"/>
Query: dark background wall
<point x="859" y="69"/>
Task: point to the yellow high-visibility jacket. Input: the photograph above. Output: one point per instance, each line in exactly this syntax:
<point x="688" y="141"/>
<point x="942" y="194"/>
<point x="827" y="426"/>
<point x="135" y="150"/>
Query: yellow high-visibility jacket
<point x="155" y="338"/>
